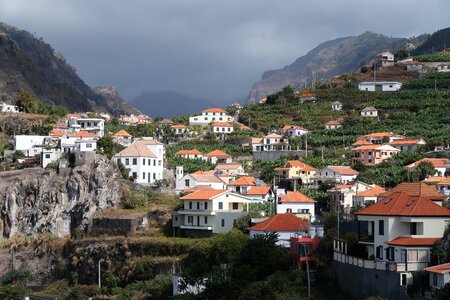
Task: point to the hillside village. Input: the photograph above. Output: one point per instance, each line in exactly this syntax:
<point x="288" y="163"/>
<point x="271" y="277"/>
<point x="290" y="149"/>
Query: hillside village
<point x="351" y="176"/>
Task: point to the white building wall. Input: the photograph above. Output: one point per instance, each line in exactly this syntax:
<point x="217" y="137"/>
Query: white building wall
<point x="297" y="208"/>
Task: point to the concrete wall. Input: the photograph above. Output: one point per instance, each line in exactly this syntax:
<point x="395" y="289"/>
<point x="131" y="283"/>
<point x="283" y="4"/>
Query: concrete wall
<point x="361" y="283"/>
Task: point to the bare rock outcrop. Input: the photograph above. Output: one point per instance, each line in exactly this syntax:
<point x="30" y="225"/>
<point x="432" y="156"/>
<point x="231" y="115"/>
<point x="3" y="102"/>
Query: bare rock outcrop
<point x="60" y="202"/>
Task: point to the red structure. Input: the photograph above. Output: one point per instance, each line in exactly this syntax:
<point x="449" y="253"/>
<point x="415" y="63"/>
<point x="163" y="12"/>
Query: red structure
<point x="302" y="249"/>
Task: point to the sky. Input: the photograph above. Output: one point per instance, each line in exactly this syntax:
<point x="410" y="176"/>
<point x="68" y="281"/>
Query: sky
<point x="214" y="49"/>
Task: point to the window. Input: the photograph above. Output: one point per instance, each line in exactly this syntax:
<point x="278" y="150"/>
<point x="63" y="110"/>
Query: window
<point x="381" y="227"/>
<point x="186" y="182"/>
<point x="134" y="161"/>
<point x="47" y="155"/>
<point x="143" y="175"/>
<point x="220" y="205"/>
<point x="159" y="162"/>
<point x="198" y="205"/>
<point x="149" y="162"/>
<point x="127" y="161"/>
<point x="413" y="228"/>
<point x="206" y="220"/>
<point x="190" y="220"/>
<point x="223" y="222"/>
<point x="206" y="205"/>
<point x="190" y="205"/>
<point x="143" y="162"/>
<point x="404" y="279"/>
<point x="235" y="205"/>
<point x="380" y="252"/>
<point x="88" y="145"/>
<point x="154" y="162"/>
<point x="434" y="279"/>
<point x="390" y="253"/>
<point x="134" y="175"/>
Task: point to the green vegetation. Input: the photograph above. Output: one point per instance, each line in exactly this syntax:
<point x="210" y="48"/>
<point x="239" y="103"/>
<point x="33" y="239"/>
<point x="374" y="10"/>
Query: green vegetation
<point x="140" y="198"/>
<point x="443" y="56"/>
<point x="14" y="283"/>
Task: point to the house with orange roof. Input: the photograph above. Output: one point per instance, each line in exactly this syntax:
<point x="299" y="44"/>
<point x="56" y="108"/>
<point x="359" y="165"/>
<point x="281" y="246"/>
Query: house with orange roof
<point x="371" y="155"/>
<point x="333" y="124"/>
<point x="338" y="174"/>
<point x="260" y="194"/>
<point x="401" y="230"/>
<point x="144" y="159"/>
<point x="93" y="125"/>
<point x="298" y="204"/>
<point x="417" y="189"/>
<point x="293" y="131"/>
<point x="407" y="144"/>
<point x="206" y="212"/>
<point x="179" y="129"/>
<point x="441" y="165"/>
<point x="343" y="195"/>
<point x="222" y="127"/>
<point x="218" y="157"/>
<point x="438" y="276"/>
<point x="381" y="137"/>
<point x="200" y="178"/>
<point x="122" y="137"/>
<point x="190" y="154"/>
<point x="242" y="185"/>
<point x="295" y="170"/>
<point x="284" y="225"/>
<point x="209" y="116"/>
<point x="441" y="183"/>
<point x="233" y="168"/>
<point x="360" y="143"/>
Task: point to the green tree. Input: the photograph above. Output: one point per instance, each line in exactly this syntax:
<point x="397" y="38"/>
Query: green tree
<point x="26" y="100"/>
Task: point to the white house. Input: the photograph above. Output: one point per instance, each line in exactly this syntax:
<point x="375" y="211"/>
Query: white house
<point x="438" y="276"/>
<point x="402" y="229"/>
<point x="344" y="194"/>
<point x="293" y="131"/>
<point x="190" y="154"/>
<point x="8" y="108"/>
<point x="209" y="116"/>
<point x="384" y="59"/>
<point x="199" y="178"/>
<point x="380" y="86"/>
<point x="441" y="165"/>
<point x="231" y="168"/>
<point x="30" y="145"/>
<point x="242" y="185"/>
<point x="218" y="157"/>
<point x="381" y="137"/>
<point x="407" y="144"/>
<point x="369" y="112"/>
<point x="364" y="198"/>
<point x="333" y="124"/>
<point x="145" y="160"/>
<point x="260" y="193"/>
<point x="179" y="129"/>
<point x="336" y="105"/>
<point x="50" y="155"/>
<point x="271" y="142"/>
<point x="443" y="68"/>
<point x="298" y="204"/>
<point x="284" y="224"/>
<point x="123" y="138"/>
<point x="207" y="212"/>
<point x="341" y="174"/>
<point x="93" y="125"/>
<point x="442" y="184"/>
<point x="222" y="127"/>
<point x="85" y="145"/>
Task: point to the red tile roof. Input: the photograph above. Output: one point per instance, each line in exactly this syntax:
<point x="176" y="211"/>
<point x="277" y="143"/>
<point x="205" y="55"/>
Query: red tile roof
<point x="203" y="195"/>
<point x="213" y="110"/>
<point x="179" y="126"/>
<point x="121" y="133"/>
<point x="403" y="204"/>
<point x="369" y="108"/>
<point x="412" y="241"/>
<point x="137" y="149"/>
<point x="373" y="192"/>
<point x="288" y="127"/>
<point x="436" y="162"/>
<point x="258" y="190"/>
<point x="406" y="142"/>
<point x="189" y="152"/>
<point x="281" y="222"/>
<point x="343" y="170"/>
<point x="361" y="142"/>
<point x="56" y="133"/>
<point x="83" y="134"/>
<point x="381" y="135"/>
<point x="244" y="127"/>
<point x="243" y="181"/>
<point x="301" y="165"/>
<point x="332" y="122"/>
<point x="417" y="189"/>
<point x="218" y="153"/>
<point x="441" y="269"/>
<point x="295" y="197"/>
<point x="200" y="187"/>
<point x="222" y="124"/>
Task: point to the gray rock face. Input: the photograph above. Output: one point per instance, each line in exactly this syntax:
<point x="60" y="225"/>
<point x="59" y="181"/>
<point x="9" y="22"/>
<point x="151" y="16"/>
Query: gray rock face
<point x="36" y="200"/>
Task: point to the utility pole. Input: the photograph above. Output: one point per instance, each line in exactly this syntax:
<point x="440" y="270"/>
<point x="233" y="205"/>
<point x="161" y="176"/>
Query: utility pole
<point x="99" y="274"/>
<point x="306" y="144"/>
<point x="322" y="152"/>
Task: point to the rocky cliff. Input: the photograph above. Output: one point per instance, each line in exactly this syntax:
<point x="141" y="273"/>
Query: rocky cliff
<point x="330" y="58"/>
<point x="64" y="202"/>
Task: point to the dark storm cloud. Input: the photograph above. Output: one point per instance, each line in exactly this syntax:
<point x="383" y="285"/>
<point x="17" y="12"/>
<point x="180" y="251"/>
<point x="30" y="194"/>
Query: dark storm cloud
<point x="214" y="49"/>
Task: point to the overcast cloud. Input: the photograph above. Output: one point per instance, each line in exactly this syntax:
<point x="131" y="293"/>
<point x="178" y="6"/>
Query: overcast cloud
<point x="205" y="48"/>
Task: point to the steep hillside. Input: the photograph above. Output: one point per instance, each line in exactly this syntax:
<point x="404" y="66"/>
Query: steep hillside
<point x="29" y="63"/>
<point x="438" y="41"/>
<point x="330" y="58"/>
<point x="116" y="102"/>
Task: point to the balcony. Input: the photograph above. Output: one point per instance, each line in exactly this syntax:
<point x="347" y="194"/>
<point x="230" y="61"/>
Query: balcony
<point x="196" y="227"/>
<point x="196" y="212"/>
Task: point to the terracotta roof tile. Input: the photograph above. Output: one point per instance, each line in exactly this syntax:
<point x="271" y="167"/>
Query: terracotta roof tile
<point x="230" y="166"/>
<point x="258" y="190"/>
<point x="369" y="108"/>
<point x="332" y="122"/>
<point x="343" y="170"/>
<point x="215" y="109"/>
<point x="412" y="241"/>
<point x="188" y="152"/>
<point x="417" y="189"/>
<point x="83" y="134"/>
<point x="203" y="195"/>
<point x="222" y="124"/>
<point x="403" y="204"/>
<point x="436" y="162"/>
<point x="295" y="197"/>
<point x="199" y="187"/>
<point x="179" y="126"/>
<point x="273" y="136"/>
<point x="218" y="153"/>
<point x="361" y="142"/>
<point x="405" y="142"/>
<point x="373" y="192"/>
<point x="441" y="269"/>
<point x="57" y="133"/>
<point x="137" y="149"/>
<point x="381" y="135"/>
<point x="301" y="165"/>
<point x="282" y="222"/>
<point x="121" y="133"/>
<point x="243" y="181"/>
